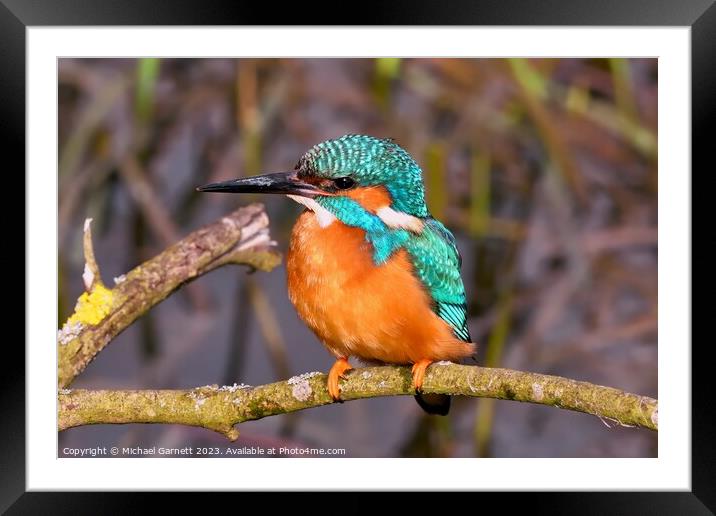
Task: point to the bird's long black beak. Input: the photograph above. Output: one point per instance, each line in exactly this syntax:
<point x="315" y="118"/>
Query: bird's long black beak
<point x="277" y="183"/>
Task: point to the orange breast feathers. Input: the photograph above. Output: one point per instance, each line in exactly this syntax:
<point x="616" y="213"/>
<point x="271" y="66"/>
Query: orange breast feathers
<point x="375" y="313"/>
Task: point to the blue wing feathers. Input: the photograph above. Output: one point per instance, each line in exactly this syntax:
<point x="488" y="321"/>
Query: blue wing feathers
<point x="437" y="263"/>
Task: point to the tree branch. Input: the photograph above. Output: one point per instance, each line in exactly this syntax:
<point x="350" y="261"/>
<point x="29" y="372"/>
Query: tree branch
<point x="220" y="408"/>
<point x="102" y="313"/>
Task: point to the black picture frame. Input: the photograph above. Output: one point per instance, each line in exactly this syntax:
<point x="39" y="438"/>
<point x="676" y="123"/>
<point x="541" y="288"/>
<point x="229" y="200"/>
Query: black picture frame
<point x="700" y="15"/>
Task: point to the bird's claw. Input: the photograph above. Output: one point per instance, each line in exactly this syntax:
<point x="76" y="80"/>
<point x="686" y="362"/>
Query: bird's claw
<point x="418" y="372"/>
<point x="334" y="375"/>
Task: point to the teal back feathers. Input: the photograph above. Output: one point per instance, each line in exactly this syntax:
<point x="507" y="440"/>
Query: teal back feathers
<point x="369" y="162"/>
<point x="437" y="263"/>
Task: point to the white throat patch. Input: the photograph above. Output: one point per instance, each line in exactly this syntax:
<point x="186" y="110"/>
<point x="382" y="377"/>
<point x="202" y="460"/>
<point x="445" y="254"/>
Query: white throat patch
<point x="398" y="219"/>
<point x="325" y="218"/>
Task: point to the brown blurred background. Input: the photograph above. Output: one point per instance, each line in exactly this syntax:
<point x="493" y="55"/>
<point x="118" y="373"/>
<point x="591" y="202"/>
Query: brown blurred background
<point x="545" y="170"/>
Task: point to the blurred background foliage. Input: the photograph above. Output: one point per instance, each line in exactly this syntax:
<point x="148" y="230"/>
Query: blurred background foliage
<point x="545" y="169"/>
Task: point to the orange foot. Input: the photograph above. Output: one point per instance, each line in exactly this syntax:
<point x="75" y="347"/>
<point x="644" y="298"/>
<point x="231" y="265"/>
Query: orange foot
<point x="419" y="368"/>
<point x="337" y="371"/>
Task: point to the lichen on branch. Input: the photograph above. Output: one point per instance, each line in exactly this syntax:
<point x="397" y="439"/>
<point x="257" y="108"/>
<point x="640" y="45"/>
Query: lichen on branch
<point x="221" y="408"/>
<point x="101" y="313"/>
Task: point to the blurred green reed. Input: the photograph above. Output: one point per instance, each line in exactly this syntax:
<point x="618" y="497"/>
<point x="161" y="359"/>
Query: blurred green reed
<point x="145" y="87"/>
<point x="387" y="70"/>
<point x="436" y="179"/>
<point x="485" y="407"/>
<point x="479" y="194"/>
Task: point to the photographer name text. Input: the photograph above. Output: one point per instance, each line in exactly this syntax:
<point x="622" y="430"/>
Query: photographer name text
<point x="202" y="451"/>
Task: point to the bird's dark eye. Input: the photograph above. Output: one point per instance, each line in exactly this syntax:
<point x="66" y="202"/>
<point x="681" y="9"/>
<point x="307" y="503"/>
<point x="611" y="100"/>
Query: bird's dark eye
<point x="344" y="183"/>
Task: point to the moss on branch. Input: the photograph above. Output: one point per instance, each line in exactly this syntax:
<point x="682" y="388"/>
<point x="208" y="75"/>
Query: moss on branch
<point x="102" y="313"/>
<point x="220" y="408"/>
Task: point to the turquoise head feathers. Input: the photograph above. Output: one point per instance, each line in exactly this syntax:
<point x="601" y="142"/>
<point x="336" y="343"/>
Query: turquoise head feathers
<point x="369" y="161"/>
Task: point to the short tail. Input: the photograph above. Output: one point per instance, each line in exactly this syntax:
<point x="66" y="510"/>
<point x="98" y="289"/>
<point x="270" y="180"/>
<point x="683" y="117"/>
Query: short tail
<point x="434" y="404"/>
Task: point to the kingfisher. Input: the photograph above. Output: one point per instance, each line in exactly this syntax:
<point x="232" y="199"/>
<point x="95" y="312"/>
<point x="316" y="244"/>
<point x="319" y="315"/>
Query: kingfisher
<point x="369" y="270"/>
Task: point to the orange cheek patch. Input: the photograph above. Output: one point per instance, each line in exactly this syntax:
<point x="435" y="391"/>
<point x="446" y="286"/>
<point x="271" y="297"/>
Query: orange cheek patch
<point x="372" y="198"/>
